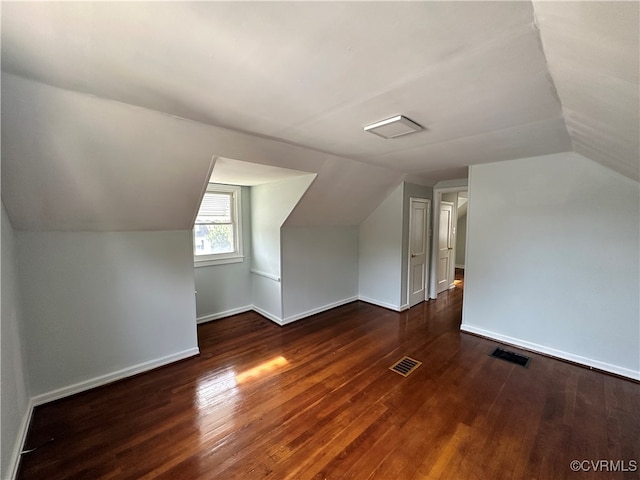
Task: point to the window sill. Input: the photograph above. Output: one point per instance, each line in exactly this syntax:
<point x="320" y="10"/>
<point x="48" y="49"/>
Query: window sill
<point x="217" y="261"/>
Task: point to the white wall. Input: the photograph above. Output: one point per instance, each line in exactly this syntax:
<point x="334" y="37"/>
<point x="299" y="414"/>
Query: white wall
<point x="226" y="289"/>
<point x="319" y="269"/>
<point x="223" y="289"/>
<point x="344" y="193"/>
<point x="15" y="389"/>
<point x="97" y="165"/>
<point x="271" y="204"/>
<point x="71" y="151"/>
<point x="553" y="259"/>
<point x="380" y="253"/>
<point x="98" y="306"/>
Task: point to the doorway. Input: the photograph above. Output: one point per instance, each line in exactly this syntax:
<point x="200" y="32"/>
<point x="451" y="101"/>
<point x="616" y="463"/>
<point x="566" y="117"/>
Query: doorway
<point x="446" y="239"/>
<point x="419" y="221"/>
<point x="445" y="235"/>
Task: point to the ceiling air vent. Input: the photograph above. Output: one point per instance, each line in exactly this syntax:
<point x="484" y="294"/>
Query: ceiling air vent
<point x="393" y="127"/>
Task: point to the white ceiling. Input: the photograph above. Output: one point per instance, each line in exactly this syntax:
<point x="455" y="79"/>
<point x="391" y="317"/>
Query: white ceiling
<point x="592" y="52"/>
<point x="235" y="172"/>
<point x="490" y="81"/>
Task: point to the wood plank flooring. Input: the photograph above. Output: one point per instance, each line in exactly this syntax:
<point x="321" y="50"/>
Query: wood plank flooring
<point x="316" y="400"/>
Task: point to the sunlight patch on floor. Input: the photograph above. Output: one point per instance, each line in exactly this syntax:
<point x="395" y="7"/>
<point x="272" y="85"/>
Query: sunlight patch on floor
<point x="262" y="369"/>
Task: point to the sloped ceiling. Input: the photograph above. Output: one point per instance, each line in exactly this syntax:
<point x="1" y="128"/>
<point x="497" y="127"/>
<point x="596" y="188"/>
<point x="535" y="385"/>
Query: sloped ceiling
<point x="292" y="85"/>
<point x="592" y="52"/>
<point x="234" y="172"/>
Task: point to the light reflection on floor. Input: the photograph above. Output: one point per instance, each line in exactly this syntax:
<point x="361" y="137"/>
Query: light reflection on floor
<point x="262" y="369"/>
<point x="220" y="394"/>
<point x="210" y="388"/>
<point x="217" y="398"/>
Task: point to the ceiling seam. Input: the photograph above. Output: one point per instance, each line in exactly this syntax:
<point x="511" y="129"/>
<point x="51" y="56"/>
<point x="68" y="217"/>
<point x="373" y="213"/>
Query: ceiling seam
<point x="554" y="90"/>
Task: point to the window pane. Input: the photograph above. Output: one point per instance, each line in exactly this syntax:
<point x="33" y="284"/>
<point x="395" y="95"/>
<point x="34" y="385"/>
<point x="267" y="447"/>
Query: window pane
<point x="215" y="208"/>
<point x="212" y="239"/>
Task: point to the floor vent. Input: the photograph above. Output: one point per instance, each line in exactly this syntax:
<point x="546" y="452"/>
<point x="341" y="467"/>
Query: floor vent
<point x="405" y="366"/>
<point x="512" y="357"/>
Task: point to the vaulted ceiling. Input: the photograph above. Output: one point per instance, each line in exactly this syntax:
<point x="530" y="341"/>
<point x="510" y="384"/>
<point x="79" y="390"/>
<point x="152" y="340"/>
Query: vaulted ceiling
<point x="111" y="96"/>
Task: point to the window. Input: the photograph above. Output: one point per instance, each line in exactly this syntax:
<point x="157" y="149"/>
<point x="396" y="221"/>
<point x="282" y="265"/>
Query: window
<point x="217" y="233"/>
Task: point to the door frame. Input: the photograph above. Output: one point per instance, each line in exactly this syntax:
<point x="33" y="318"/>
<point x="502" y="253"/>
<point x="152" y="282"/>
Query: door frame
<point x="437" y="198"/>
<point x="452" y="240"/>
<point x="427" y="267"/>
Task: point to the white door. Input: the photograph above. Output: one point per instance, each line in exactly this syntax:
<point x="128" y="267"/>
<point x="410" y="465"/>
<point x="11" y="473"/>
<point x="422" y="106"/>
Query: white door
<point x="418" y="249"/>
<point x="445" y="246"/>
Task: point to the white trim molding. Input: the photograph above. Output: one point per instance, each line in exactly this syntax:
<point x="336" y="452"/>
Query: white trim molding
<point x="534" y="347"/>
<point x="314" y="311"/>
<point x="228" y="313"/>
<point x="268" y="315"/>
<point x="274" y="318"/>
<point x="268" y="275"/>
<point x="236" y="256"/>
<point x="80" y="387"/>
<point x="388" y="306"/>
<point x="437" y="200"/>
<point x="219" y="261"/>
<point x="112" y="377"/>
<point x="21" y="438"/>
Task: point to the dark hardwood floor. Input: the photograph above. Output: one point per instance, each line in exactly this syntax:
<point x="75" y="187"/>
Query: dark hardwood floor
<point x="316" y="400"/>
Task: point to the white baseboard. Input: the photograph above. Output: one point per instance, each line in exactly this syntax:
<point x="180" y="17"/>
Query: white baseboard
<point x="587" y="362"/>
<point x="227" y="313"/>
<point x="460" y="266"/>
<point x="268" y="315"/>
<point x="315" y="311"/>
<point x="14" y="461"/>
<point x="386" y="305"/>
<point x="111" y="377"/>
<point x="274" y="318"/>
<point x="79" y="387"/>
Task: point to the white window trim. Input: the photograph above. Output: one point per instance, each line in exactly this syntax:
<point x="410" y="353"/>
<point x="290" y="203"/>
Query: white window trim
<point x="236" y="209"/>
